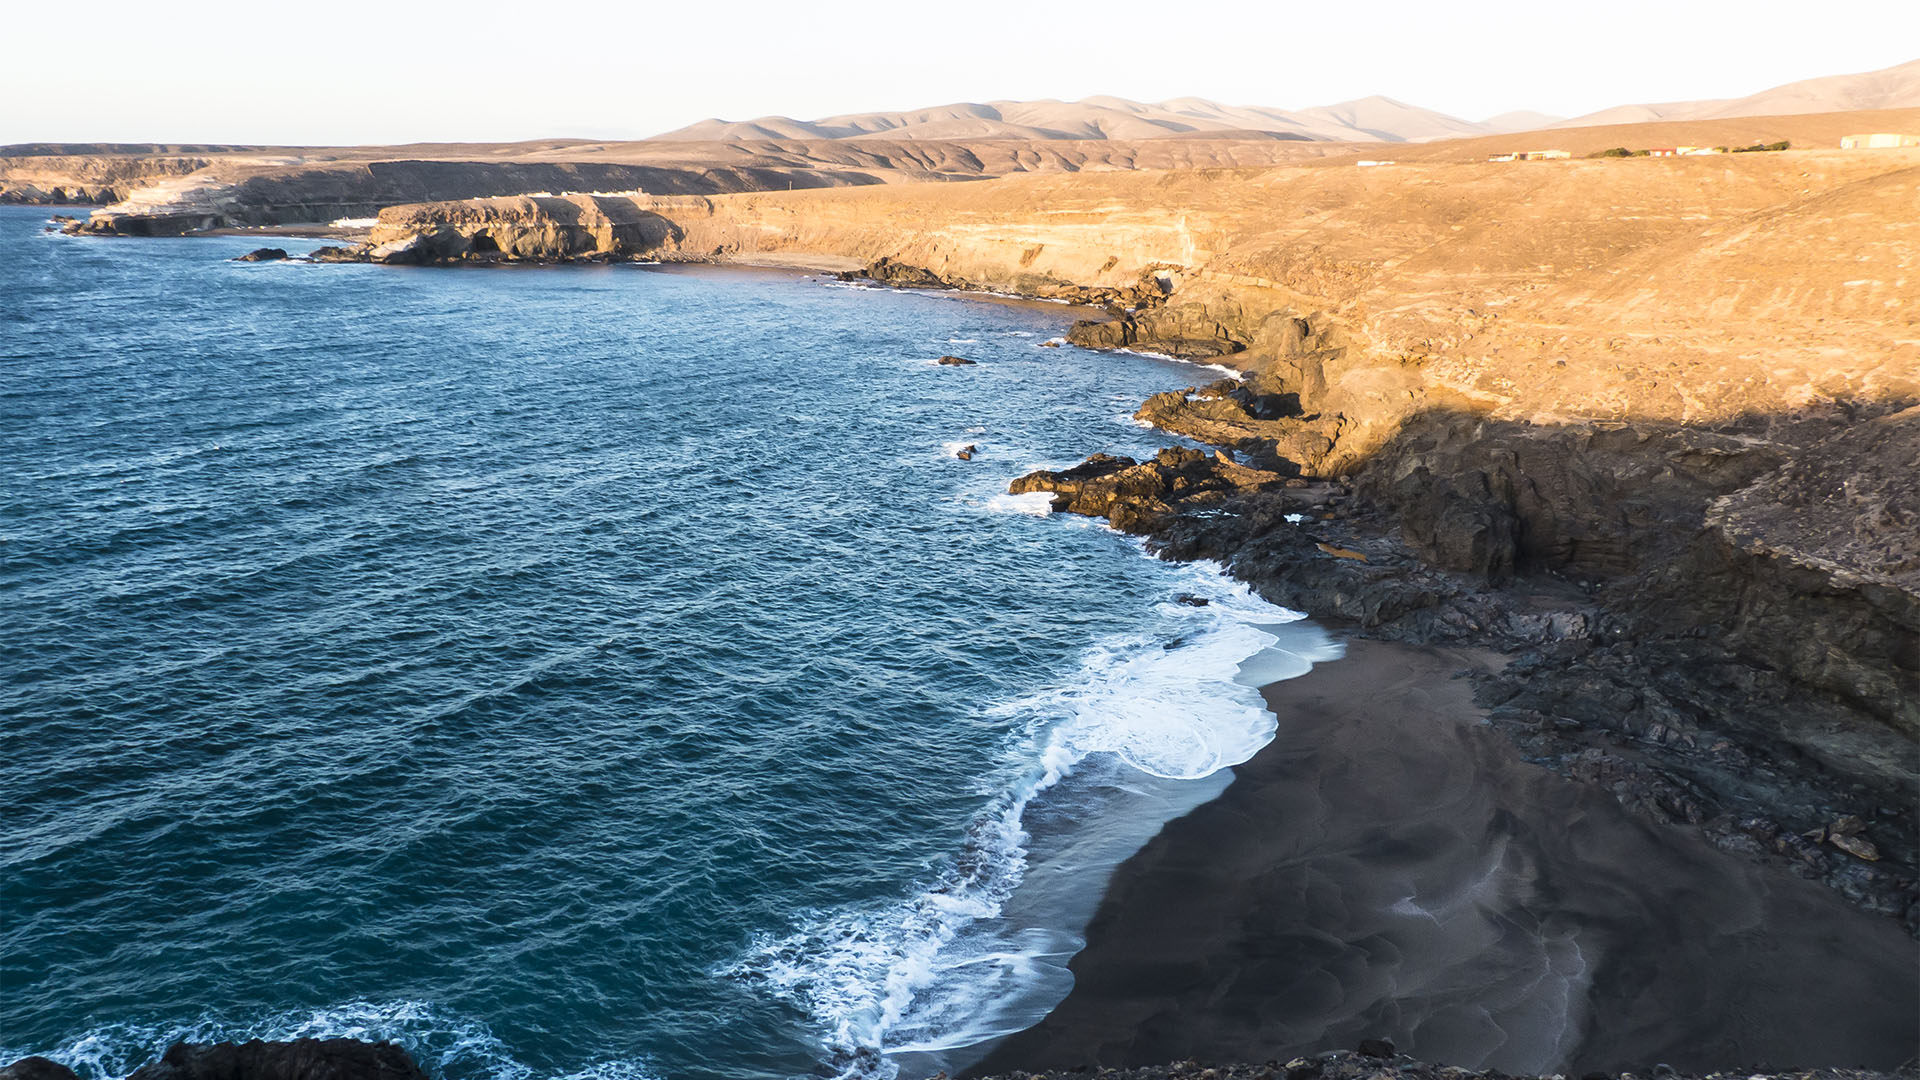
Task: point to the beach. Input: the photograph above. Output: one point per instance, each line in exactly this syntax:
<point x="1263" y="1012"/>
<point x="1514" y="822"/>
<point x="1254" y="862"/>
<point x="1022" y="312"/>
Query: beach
<point x="1389" y="867"/>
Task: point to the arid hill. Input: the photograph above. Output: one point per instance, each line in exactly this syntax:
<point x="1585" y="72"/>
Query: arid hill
<point x="1365" y="120"/>
<point x="1897" y="87"/>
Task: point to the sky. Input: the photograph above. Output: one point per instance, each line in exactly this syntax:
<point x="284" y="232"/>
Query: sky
<point x="358" y="72"/>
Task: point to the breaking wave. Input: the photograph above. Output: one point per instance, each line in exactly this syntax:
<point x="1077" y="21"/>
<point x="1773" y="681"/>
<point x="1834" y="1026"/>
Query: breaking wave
<point x="915" y="980"/>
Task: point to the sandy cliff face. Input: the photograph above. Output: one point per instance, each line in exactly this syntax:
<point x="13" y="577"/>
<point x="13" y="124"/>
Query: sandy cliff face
<point x="87" y="178"/>
<point x="1683" y="291"/>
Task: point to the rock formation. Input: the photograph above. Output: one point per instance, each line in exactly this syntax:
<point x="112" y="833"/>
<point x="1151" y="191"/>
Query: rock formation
<point x="300" y="1059"/>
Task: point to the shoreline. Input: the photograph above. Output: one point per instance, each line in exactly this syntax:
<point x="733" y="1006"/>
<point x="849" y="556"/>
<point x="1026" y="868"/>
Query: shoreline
<point x="1339" y="890"/>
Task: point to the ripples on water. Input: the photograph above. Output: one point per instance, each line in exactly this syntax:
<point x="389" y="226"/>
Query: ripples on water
<point x="591" y="671"/>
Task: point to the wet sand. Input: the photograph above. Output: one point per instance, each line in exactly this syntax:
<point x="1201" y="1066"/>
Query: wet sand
<point x="1389" y="867"/>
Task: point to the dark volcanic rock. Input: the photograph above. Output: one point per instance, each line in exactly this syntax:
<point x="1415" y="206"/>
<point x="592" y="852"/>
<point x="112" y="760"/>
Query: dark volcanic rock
<point x="37" y="1068"/>
<point x="263" y="255"/>
<point x="888" y="272"/>
<point x="301" y="1059"/>
<point x="1137" y="496"/>
<point x="954" y="361"/>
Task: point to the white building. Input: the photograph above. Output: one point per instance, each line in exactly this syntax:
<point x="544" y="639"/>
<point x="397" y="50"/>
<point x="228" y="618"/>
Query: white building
<point x="1879" y="140"/>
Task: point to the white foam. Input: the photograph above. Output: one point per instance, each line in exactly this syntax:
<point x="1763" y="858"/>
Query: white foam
<point x="441" y="1041"/>
<point x="1230" y="372"/>
<point x="1036" y="503"/>
<point x="935" y="971"/>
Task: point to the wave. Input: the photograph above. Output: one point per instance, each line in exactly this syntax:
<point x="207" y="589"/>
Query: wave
<point x="445" y="1044"/>
<point x="1034" y="503"/>
<point x="943" y="969"/>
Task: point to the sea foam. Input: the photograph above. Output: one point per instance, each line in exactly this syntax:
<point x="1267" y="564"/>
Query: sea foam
<point x="440" y="1040"/>
<point x="912" y="981"/>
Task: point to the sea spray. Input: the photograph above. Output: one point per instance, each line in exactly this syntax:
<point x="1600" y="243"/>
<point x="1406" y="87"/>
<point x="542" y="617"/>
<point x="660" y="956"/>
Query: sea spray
<point x="936" y="972"/>
<point x="443" y="1042"/>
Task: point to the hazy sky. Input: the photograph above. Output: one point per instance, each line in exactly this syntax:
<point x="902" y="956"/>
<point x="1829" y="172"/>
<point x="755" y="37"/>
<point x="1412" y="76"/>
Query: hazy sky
<point x="365" y="72"/>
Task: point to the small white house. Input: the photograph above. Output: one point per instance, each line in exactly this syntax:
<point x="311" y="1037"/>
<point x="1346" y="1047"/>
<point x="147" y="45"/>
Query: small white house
<point x="1879" y="140"/>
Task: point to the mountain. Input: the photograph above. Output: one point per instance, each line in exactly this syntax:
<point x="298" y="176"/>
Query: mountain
<point x="1373" y="119"/>
<point x="1897" y="87"/>
<point x="1520" y="120"/>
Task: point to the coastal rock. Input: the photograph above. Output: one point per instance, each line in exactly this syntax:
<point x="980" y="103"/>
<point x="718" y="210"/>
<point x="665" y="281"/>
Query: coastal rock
<point x="335" y="254"/>
<point x="1135" y="496"/>
<point x="262" y="255"/>
<point x="37" y="1068"/>
<point x="966" y="452"/>
<point x="954" y="361"/>
<point x="519" y="229"/>
<point x="300" y="1059"/>
<point x="888" y="272"/>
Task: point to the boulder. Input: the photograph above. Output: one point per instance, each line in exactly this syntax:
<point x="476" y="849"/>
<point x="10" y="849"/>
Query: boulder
<point x="37" y="1068"/>
<point x="331" y="254"/>
<point x="263" y="255"/>
<point x="888" y="272"/>
<point x="301" y="1059"/>
<point x="954" y="361"/>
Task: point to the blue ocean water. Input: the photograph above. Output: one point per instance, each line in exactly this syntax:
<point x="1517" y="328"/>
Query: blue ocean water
<point x="597" y="671"/>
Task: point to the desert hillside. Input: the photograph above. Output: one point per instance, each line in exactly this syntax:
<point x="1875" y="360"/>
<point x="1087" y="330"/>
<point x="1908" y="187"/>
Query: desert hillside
<point x="1364" y="120"/>
<point x="1897" y="87"/>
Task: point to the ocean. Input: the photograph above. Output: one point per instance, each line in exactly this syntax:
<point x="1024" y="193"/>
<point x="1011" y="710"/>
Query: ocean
<point x="600" y="671"/>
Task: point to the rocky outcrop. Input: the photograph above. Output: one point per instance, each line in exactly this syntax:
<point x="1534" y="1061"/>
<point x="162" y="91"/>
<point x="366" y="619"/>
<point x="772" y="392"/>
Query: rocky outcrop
<point x="37" y="1068"/>
<point x="520" y="229"/>
<point x="300" y="1059"/>
<point x="1135" y="496"/>
<point x="899" y="275"/>
<point x="263" y="255"/>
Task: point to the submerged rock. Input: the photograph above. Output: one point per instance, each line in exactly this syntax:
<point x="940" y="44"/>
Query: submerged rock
<point x="300" y="1059"/>
<point x="954" y="361"/>
<point x="37" y="1068"/>
<point x="263" y="255"/>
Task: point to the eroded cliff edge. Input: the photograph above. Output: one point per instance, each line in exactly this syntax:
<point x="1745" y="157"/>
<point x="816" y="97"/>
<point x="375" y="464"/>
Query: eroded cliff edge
<point x="1646" y="427"/>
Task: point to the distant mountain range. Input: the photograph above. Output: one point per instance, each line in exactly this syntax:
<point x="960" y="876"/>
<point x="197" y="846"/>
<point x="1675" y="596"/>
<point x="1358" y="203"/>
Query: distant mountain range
<point x="1367" y="120"/>
<point x="1897" y="87"/>
<point x="1371" y="119"/>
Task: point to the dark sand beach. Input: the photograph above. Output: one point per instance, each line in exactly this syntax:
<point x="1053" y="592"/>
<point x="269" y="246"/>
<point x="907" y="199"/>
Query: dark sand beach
<point x="1388" y="866"/>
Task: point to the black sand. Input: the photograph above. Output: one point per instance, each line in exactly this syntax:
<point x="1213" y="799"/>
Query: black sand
<point x="1388" y="867"/>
